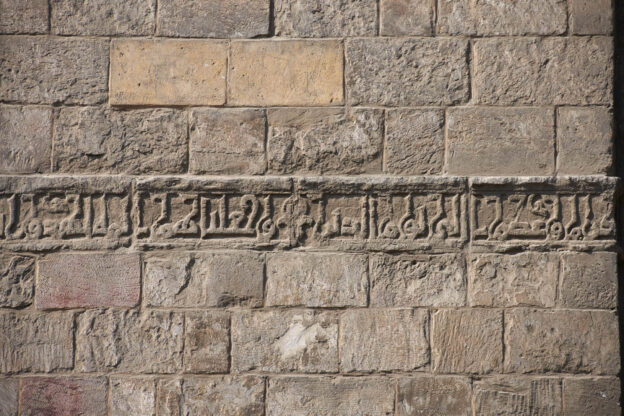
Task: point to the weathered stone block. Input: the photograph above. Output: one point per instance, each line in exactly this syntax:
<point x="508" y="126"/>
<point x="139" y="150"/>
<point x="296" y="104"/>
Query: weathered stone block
<point x="584" y="140"/>
<point x="8" y="396"/>
<point x="384" y="340"/>
<point x="17" y="277"/>
<point x="500" y="141"/>
<point x="103" y="17"/>
<point x="465" y="17"/>
<point x="53" y="70"/>
<point x="87" y="280"/>
<point x="414" y="142"/>
<point x="23" y="16"/>
<point x="132" y="396"/>
<point x="289" y="72"/>
<point x="434" y="395"/>
<point x="213" y="19"/>
<point x="325" y="18"/>
<point x="328" y="396"/>
<point x="224" y="396"/>
<point x="25" y="139"/>
<point x="517" y="396"/>
<point x="411" y="281"/>
<point x="589" y="280"/>
<point x="592" y="396"/>
<point x="591" y="17"/>
<point x="406" y="72"/>
<point x="561" y="341"/>
<point x="467" y="341"/>
<point x="206" y="342"/>
<point x="36" y="342"/>
<point x="129" y="341"/>
<point x="284" y="341"/>
<point x="325" y="141"/>
<point x="548" y="71"/>
<point x="503" y="280"/>
<point x="63" y="396"/>
<point x="101" y="140"/>
<point x="406" y="17"/>
<point x="227" y="141"/>
<point x="205" y="280"/>
<point x="316" y="280"/>
<point x="168" y="72"/>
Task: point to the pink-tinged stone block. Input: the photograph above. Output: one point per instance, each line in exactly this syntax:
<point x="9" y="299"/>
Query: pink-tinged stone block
<point x="63" y="396"/>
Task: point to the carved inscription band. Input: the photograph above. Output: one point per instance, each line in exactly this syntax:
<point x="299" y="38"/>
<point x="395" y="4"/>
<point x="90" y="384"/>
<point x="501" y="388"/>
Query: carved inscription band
<point x="420" y="213"/>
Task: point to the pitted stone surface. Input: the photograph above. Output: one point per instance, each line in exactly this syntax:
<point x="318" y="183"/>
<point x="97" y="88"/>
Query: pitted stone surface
<point x="132" y="396"/>
<point x="17" y="279"/>
<point x="440" y="395"/>
<point x="518" y="396"/>
<point x="25" y="139"/>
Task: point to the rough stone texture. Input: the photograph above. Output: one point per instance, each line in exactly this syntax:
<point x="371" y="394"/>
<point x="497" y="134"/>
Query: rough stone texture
<point x="23" y="16"/>
<point x="53" y="70"/>
<point x="205" y="280"/>
<point x="88" y="280"/>
<point x="522" y="17"/>
<point x="8" y="396"/>
<point x="561" y="341"/>
<point x="589" y="280"/>
<point x="206" y="342"/>
<point x="500" y="141"/>
<point x="63" y="396"/>
<point x="328" y="396"/>
<point x="25" y="139"/>
<point x="285" y="73"/>
<point x="213" y="19"/>
<point x="406" y="17"/>
<point x="132" y="396"/>
<point x="227" y="141"/>
<point x="467" y="341"/>
<point x="224" y="396"/>
<point x="17" y="278"/>
<point x="591" y="17"/>
<point x="324" y="141"/>
<point x="316" y="280"/>
<point x="304" y="341"/>
<point x="406" y="72"/>
<point x="325" y="18"/>
<point x="102" y="17"/>
<point x="546" y="71"/>
<point x="517" y="396"/>
<point x="414" y="142"/>
<point x="429" y="395"/>
<point x="36" y="342"/>
<point x="584" y="141"/>
<point x="503" y="280"/>
<point x="129" y="341"/>
<point x="411" y="281"/>
<point x="592" y="396"/>
<point x="168" y="72"/>
<point x="101" y="140"/>
<point x="384" y="340"/>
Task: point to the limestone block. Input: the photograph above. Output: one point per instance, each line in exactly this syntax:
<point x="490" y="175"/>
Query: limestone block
<point x="132" y="396"/>
<point x="589" y="280"/>
<point x="206" y="342"/>
<point x="592" y="396"/>
<point x="518" y="396"/>
<point x="406" y="17"/>
<point x="25" y="139"/>
<point x="434" y="395"/>
<point x="23" y="16"/>
<point x="591" y="17"/>
<point x="8" y="396"/>
<point x="17" y="277"/>
<point x="63" y="396"/>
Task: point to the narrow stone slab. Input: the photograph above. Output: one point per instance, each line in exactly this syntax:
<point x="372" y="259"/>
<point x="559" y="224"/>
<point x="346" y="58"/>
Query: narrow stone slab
<point x="17" y="280"/>
<point x="8" y="396"/>
<point x="25" y="134"/>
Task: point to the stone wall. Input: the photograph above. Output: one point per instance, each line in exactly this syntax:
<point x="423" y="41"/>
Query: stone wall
<point x="307" y="207"/>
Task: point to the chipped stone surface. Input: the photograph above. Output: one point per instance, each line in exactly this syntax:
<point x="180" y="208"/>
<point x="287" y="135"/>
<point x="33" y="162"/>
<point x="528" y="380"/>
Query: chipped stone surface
<point x="103" y="17"/>
<point x="304" y="341"/>
<point x="406" y="17"/>
<point x="42" y="70"/>
<point x="434" y="395"/>
<point x="36" y="342"/>
<point x="23" y="16"/>
<point x="102" y="140"/>
<point x="25" y="139"/>
<point x="589" y="280"/>
<point x="129" y="341"/>
<point x="205" y="279"/>
<point x="467" y="341"/>
<point x="17" y="278"/>
<point x="406" y="72"/>
<point x="63" y="396"/>
<point x="325" y="18"/>
<point x="227" y="141"/>
<point x="328" y="396"/>
<point x="518" y="396"/>
<point x="561" y="341"/>
<point x="384" y="340"/>
<point x="411" y="281"/>
<point x="591" y="17"/>
<point x="8" y="396"/>
<point x="503" y="280"/>
<point x="213" y="19"/>
<point x="206" y="342"/>
<point x="132" y="396"/>
<point x="324" y="141"/>
<point x="592" y="396"/>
